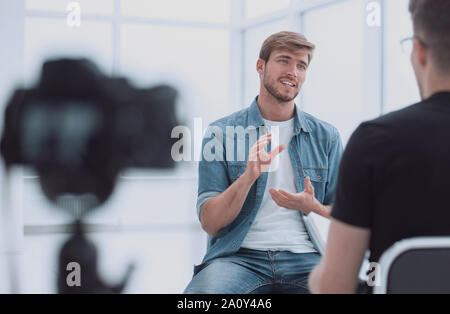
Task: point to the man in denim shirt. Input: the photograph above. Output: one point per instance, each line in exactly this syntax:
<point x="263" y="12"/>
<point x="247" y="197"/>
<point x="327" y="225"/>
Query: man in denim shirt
<point x="251" y="200"/>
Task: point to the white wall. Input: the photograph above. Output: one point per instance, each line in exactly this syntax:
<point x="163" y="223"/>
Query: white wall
<point x="399" y="85"/>
<point x="11" y="75"/>
<point x="334" y="86"/>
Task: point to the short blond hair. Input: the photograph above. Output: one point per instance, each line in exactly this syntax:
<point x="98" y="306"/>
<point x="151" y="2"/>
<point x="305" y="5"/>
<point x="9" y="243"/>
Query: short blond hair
<point x="291" y="41"/>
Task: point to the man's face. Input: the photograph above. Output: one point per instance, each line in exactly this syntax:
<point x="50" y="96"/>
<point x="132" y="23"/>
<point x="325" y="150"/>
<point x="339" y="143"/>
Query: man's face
<point x="284" y="73"/>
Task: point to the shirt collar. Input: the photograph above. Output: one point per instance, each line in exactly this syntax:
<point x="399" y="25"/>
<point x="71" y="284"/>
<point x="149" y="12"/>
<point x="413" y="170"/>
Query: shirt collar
<point x="440" y="95"/>
<point x="255" y="118"/>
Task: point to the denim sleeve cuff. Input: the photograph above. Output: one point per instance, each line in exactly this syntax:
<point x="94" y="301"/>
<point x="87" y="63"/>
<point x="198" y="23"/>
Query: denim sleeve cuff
<point x="202" y="198"/>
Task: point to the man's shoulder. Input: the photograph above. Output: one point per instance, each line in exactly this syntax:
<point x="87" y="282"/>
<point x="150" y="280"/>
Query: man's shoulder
<point x="395" y="116"/>
<point x="390" y="122"/>
<point x="319" y="126"/>
<point x="238" y="118"/>
<point x="386" y="132"/>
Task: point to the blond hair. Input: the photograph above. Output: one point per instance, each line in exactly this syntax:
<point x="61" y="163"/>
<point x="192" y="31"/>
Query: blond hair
<point x="290" y="41"/>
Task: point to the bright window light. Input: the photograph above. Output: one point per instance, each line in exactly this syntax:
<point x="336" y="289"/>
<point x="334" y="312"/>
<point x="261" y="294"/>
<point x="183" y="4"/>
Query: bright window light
<point x="212" y="11"/>
<point x="399" y="81"/>
<point x="86" y="6"/>
<point x="195" y="60"/>
<point x="257" y="8"/>
<point x="333" y="90"/>
<point x="51" y="38"/>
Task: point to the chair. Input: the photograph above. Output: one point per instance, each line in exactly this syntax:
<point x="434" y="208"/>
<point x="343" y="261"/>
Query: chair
<point x="416" y="265"/>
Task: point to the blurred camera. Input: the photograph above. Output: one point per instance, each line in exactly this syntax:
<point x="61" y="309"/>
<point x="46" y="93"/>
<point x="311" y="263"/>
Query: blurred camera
<point x="79" y="128"/>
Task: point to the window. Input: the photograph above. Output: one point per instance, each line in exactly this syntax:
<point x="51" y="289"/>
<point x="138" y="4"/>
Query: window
<point x="52" y="38"/>
<point x="210" y="11"/>
<point x="333" y="90"/>
<point x="195" y="60"/>
<point x="87" y="6"/>
<point x="399" y="82"/>
<point x="258" y="8"/>
<point x="152" y="214"/>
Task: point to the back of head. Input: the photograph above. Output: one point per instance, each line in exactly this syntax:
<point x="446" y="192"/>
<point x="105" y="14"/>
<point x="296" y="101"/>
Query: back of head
<point x="431" y="21"/>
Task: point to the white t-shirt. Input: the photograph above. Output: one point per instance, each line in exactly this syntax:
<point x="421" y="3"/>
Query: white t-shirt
<point x="276" y="228"/>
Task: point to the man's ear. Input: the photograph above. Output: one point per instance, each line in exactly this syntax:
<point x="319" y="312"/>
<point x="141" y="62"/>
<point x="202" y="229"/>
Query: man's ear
<point x="422" y="53"/>
<point x="260" y="65"/>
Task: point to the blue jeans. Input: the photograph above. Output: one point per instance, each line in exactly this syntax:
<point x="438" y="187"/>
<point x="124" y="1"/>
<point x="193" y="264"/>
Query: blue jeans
<point x="255" y="272"/>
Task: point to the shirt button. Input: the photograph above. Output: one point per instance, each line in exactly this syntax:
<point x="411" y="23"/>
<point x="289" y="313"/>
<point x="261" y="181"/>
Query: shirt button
<point x="234" y="245"/>
<point x="319" y="177"/>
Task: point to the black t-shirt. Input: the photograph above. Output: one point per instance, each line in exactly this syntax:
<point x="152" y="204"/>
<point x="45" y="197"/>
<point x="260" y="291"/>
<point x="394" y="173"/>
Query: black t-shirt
<point x="394" y="176"/>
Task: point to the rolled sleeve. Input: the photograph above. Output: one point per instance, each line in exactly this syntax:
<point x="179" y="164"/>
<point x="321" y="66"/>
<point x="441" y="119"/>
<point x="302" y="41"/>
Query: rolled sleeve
<point x="202" y="198"/>
<point x="212" y="169"/>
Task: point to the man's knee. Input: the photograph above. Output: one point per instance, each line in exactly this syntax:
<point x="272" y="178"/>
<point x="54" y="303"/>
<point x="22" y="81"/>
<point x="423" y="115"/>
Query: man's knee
<point x="222" y="277"/>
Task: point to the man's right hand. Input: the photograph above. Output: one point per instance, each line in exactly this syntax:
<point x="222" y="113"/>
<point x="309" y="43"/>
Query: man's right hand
<point x="219" y="211"/>
<point x="259" y="159"/>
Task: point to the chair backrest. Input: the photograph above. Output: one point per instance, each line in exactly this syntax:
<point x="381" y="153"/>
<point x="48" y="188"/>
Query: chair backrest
<point x="416" y="265"/>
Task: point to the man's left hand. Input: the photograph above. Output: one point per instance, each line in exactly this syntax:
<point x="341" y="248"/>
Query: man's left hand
<point x="303" y="201"/>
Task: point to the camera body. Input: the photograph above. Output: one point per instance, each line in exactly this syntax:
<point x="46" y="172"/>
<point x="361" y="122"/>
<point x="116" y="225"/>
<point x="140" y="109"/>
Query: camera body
<point x="79" y="128"/>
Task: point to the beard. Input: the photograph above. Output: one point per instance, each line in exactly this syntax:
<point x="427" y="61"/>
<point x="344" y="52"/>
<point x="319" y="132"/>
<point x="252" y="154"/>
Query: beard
<point x="270" y="87"/>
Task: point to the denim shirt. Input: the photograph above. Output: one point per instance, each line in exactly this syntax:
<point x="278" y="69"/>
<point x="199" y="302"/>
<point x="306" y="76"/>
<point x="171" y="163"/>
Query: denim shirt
<point x="315" y="151"/>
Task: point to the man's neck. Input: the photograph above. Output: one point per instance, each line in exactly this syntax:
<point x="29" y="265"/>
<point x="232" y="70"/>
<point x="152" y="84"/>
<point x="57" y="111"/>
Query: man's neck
<point x="436" y="83"/>
<point x="274" y="110"/>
